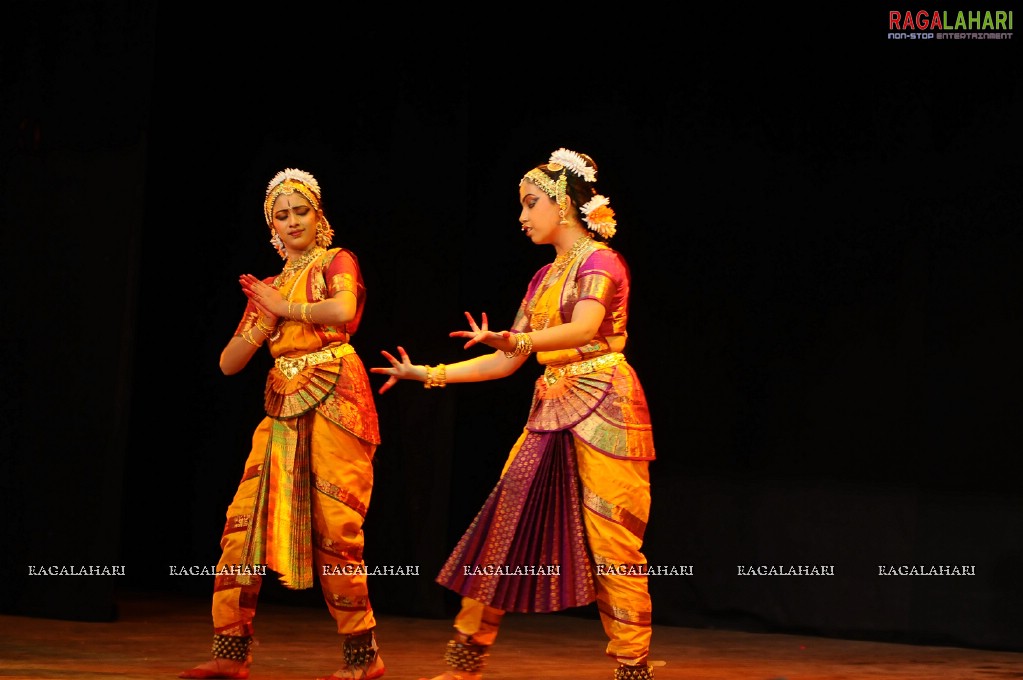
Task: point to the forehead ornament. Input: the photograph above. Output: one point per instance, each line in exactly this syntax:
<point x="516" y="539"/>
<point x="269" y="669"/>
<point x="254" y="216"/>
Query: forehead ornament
<point x="560" y="161"/>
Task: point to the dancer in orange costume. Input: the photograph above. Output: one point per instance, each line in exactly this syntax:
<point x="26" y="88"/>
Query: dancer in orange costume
<point x="575" y="490"/>
<point x="306" y="486"/>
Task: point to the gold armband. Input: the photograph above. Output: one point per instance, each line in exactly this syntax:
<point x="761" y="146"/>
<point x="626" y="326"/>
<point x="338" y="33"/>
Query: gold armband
<point x="246" y="335"/>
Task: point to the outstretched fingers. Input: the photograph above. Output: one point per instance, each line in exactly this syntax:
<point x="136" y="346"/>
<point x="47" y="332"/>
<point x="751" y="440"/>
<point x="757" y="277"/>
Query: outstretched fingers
<point x="401" y="367"/>
<point x="476" y="333"/>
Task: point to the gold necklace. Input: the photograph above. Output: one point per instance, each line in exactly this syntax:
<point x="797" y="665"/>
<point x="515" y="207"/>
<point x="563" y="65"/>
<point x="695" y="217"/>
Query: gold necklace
<point x="294" y="266"/>
<point x="561" y="261"/>
<point x="559" y="265"/>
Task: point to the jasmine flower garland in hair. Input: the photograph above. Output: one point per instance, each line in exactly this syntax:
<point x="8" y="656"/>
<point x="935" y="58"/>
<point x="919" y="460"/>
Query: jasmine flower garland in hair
<point x="599" y="216"/>
<point x="575" y="163"/>
<point x="295" y="174"/>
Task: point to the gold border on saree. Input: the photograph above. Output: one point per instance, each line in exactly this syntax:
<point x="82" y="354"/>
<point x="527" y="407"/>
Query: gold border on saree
<point x="553" y="374"/>
<point x="292" y="366"/>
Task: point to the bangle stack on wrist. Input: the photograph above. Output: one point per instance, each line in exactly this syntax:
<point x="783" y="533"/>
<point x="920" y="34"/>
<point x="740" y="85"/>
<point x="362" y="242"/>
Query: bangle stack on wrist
<point x="271" y="334"/>
<point x="523" y="346"/>
<point x="263" y="328"/>
<point x="436" y="376"/>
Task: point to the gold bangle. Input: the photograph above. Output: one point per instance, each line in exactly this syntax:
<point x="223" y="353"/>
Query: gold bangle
<point x="291" y="314"/>
<point x="436" y="376"/>
<point x="265" y="330"/>
<point x="307" y="312"/>
<point x="527" y="344"/>
<point x="523" y="346"/>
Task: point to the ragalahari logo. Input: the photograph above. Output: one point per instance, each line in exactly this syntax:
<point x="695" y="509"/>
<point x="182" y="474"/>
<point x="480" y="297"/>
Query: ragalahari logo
<point x="941" y="24"/>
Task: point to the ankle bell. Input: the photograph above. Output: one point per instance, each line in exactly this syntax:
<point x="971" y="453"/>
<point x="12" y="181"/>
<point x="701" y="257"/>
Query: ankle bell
<point x="465" y="656"/>
<point x="640" y="672"/>
<point x="359" y="650"/>
<point x="233" y="647"/>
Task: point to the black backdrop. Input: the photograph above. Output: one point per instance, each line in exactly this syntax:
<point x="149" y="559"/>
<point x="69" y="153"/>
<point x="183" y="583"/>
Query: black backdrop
<point x="823" y="227"/>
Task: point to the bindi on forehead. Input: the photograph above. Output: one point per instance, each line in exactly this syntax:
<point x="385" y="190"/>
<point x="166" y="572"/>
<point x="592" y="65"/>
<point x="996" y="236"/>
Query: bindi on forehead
<point x="289" y="201"/>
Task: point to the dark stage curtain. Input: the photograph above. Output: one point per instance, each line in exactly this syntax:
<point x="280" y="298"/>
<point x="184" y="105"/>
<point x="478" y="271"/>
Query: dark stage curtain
<point x="825" y="311"/>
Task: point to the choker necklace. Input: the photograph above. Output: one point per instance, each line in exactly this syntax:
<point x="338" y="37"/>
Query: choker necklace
<point x="294" y="266"/>
<point x="561" y="260"/>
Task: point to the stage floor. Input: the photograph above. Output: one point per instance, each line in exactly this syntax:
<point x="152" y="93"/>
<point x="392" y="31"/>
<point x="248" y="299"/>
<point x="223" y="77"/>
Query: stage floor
<point x="158" y="636"/>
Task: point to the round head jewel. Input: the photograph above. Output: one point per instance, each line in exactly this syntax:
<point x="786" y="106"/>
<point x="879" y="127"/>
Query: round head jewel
<point x="289" y="181"/>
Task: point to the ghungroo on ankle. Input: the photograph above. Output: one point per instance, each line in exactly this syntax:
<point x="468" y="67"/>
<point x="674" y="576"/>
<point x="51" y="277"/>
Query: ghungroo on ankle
<point x="359" y="650"/>
<point x="465" y="657"/>
<point x="234" y="647"/>
<point x="640" y="672"/>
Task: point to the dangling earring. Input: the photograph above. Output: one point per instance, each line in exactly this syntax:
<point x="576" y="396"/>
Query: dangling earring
<point x="278" y="244"/>
<point x="324" y="235"/>
<point x="561" y="212"/>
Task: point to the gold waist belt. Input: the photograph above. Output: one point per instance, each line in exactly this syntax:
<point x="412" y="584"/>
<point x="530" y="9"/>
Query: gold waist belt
<point x="292" y="366"/>
<point x="553" y="374"/>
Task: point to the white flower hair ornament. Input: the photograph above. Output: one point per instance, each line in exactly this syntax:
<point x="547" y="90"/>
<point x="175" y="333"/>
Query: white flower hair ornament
<point x="297" y="175"/>
<point x="599" y="216"/>
<point x="574" y="162"/>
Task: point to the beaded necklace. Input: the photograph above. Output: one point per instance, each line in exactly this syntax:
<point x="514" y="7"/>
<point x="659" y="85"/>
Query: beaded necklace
<point x="561" y="262"/>
<point x="293" y="267"/>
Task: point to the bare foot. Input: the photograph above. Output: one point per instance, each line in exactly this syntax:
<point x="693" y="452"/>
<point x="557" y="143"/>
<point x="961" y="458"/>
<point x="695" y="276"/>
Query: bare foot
<point x="218" y="668"/>
<point x="374" y="670"/>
